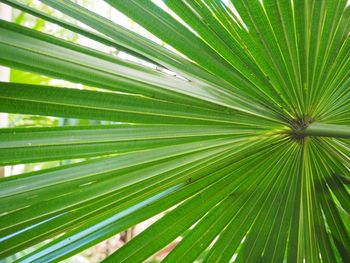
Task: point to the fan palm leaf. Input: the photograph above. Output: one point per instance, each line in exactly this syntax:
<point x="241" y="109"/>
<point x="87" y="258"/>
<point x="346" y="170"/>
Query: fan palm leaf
<point x="244" y="149"/>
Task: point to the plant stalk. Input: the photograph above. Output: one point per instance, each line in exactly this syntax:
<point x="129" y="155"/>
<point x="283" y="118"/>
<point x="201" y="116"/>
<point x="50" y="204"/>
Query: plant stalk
<point x="325" y="130"/>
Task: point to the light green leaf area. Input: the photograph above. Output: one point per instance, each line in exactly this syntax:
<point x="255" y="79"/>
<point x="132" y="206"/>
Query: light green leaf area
<point x="243" y="151"/>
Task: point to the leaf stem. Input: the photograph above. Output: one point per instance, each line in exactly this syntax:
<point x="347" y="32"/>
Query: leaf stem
<point x="325" y="130"/>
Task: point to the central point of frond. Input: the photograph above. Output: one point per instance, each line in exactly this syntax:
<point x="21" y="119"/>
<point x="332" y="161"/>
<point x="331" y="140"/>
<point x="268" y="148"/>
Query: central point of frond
<point x="297" y="125"/>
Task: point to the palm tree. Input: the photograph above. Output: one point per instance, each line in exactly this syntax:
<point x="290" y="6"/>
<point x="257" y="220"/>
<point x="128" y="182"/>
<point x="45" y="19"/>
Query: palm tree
<point x="243" y="147"/>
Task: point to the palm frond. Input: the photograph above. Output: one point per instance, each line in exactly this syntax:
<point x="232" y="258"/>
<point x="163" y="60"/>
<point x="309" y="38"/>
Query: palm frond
<point x="243" y="149"/>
